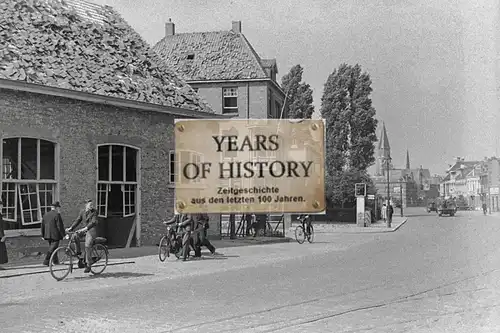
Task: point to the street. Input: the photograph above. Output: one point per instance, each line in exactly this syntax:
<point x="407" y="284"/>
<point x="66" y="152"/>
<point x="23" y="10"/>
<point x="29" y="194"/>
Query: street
<point x="434" y="274"/>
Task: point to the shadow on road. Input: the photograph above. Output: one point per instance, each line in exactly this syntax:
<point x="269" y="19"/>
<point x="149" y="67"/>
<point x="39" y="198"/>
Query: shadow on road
<point x="4" y="305"/>
<point x="123" y="275"/>
<point x="218" y="257"/>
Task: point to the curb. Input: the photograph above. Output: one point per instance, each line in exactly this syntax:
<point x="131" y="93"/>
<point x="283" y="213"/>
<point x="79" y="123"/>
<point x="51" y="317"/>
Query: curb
<point x="399" y="226"/>
<point x="362" y="230"/>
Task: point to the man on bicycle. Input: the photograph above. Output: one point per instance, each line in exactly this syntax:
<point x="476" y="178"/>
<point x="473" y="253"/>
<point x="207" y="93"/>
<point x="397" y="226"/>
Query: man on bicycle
<point x="176" y="220"/>
<point x="88" y="216"/>
<point x="304" y="218"/>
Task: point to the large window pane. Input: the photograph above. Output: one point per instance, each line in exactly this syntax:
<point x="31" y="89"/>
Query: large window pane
<point x="29" y="203"/>
<point x="172" y="166"/>
<point x="102" y="200"/>
<point x="9" y="201"/>
<point x="131" y="168"/>
<point x="129" y="199"/>
<point x="28" y="158"/>
<point x="117" y="163"/>
<point x="115" y="200"/>
<point x="46" y="193"/>
<point x="47" y="160"/>
<point x="103" y="162"/>
<point x="10" y="158"/>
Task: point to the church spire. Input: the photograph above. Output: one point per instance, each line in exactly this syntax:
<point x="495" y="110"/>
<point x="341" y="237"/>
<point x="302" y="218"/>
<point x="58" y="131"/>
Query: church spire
<point x="383" y="152"/>
<point x="384" y="140"/>
<point x="407" y="160"/>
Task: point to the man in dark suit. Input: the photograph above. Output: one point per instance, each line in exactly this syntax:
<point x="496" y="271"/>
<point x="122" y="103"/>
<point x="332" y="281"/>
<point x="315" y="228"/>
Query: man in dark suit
<point x="52" y="230"/>
<point x="201" y="238"/>
<point x="88" y="216"/>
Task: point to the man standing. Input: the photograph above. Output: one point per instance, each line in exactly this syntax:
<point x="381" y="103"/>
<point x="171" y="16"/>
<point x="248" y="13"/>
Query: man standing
<point x="3" y="248"/>
<point x="88" y="216"/>
<point x="390" y="211"/>
<point x="52" y="230"/>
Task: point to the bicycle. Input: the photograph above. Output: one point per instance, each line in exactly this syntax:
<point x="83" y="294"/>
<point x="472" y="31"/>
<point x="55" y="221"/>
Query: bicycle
<point x="301" y="233"/>
<point x="171" y="242"/>
<point x="166" y="246"/>
<point x="99" y="254"/>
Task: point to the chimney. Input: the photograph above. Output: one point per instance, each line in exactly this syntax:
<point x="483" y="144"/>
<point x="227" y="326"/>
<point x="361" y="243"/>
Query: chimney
<point x="169" y="28"/>
<point x="236" y="27"/>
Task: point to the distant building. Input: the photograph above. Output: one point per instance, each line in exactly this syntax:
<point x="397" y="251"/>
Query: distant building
<point x="224" y="68"/>
<point x="462" y="181"/>
<point x="415" y="186"/>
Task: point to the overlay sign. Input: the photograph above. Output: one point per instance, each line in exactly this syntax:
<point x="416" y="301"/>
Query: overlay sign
<point x="249" y="166"/>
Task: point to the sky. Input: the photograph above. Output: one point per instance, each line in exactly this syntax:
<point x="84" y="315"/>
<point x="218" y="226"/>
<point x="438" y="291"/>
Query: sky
<point x="434" y="65"/>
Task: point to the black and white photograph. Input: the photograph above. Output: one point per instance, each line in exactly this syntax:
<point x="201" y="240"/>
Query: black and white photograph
<point x="366" y="199"/>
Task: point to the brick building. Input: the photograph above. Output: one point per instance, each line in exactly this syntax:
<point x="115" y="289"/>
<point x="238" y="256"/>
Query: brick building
<point x="87" y="111"/>
<point x="224" y="68"/>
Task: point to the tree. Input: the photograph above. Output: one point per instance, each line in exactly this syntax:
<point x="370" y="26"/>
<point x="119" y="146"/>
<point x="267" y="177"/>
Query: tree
<point x="298" y="104"/>
<point x="340" y="186"/>
<point x="350" y="131"/>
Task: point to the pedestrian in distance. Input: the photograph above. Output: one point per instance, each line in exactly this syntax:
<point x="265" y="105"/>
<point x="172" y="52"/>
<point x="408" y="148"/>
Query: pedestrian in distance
<point x="200" y="238"/>
<point x="52" y="230"/>
<point x="390" y="211"/>
<point x="3" y="248"/>
<point x="384" y="212"/>
<point x="88" y="216"/>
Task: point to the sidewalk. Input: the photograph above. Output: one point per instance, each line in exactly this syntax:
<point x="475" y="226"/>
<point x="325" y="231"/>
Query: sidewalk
<point x="119" y="254"/>
<point x="377" y="227"/>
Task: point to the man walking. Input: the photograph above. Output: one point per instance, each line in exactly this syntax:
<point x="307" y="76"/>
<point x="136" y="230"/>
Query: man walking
<point x="52" y="230"/>
<point x="88" y="216"/>
<point x="201" y="239"/>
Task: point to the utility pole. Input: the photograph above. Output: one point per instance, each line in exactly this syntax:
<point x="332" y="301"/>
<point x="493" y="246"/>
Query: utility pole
<point x="388" y="192"/>
<point x="401" y="194"/>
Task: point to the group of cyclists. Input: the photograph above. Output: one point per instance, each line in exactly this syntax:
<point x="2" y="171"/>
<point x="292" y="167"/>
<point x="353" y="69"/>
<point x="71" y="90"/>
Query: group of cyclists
<point x="190" y="233"/>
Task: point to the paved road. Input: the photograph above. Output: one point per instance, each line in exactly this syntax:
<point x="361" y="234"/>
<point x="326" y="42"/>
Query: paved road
<point x="432" y="275"/>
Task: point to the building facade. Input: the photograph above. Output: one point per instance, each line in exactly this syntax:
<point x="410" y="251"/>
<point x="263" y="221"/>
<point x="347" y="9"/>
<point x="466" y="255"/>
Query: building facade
<point x="90" y="116"/>
<point x="408" y="187"/>
<point x="224" y="68"/>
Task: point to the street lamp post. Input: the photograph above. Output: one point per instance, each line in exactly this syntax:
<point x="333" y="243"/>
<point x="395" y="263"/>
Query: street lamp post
<point x="388" y="159"/>
<point x="401" y="195"/>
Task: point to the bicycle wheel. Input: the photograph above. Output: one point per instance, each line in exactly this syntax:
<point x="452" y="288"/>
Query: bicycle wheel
<point x="299" y="234"/>
<point x="60" y="268"/>
<point x="164" y="248"/>
<point x="310" y="238"/>
<point x="99" y="258"/>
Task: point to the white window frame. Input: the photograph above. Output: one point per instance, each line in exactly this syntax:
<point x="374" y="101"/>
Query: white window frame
<point x="18" y="182"/>
<point x="229" y="92"/>
<point x="123" y="182"/>
<point x="194" y="157"/>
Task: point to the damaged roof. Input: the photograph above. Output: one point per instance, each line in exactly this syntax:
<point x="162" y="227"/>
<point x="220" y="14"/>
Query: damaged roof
<point x="77" y="45"/>
<point x="217" y="55"/>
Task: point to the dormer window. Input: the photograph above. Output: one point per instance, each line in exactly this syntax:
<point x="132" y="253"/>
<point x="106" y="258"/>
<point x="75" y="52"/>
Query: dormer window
<point x="190" y="56"/>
